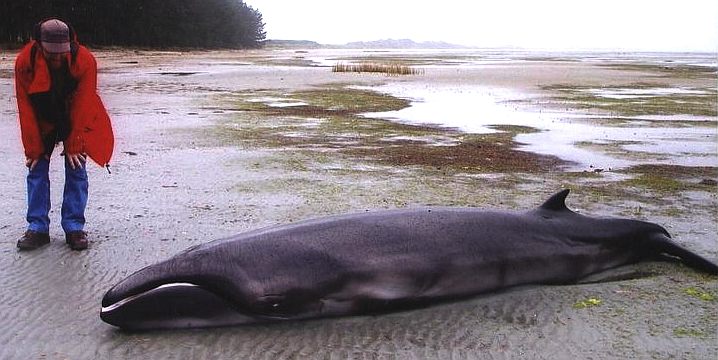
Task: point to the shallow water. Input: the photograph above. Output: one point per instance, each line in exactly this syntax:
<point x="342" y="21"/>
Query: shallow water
<point x="642" y="93"/>
<point x="468" y="108"/>
<point x="468" y="104"/>
<point x="475" y="108"/>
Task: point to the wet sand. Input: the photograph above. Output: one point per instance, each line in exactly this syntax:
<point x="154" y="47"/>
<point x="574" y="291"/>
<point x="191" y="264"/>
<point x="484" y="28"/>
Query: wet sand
<point x="174" y="185"/>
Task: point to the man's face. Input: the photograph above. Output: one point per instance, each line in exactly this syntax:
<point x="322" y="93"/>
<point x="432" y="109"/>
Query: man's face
<point x="55" y="60"/>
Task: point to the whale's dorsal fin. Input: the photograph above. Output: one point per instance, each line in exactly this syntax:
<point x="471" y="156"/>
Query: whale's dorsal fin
<point x="557" y="202"/>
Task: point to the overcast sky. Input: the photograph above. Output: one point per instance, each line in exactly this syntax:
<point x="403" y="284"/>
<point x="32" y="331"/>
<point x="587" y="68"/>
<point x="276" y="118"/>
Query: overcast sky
<point x="675" y="25"/>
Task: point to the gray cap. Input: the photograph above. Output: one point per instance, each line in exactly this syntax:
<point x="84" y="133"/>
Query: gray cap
<point x="55" y="36"/>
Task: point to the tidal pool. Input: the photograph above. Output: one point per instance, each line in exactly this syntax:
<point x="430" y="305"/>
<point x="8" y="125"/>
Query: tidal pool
<point x="476" y="109"/>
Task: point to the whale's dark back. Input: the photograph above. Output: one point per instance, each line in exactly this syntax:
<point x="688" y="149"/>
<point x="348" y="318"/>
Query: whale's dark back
<point x="424" y="253"/>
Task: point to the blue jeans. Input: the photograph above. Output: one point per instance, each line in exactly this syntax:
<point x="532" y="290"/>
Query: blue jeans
<point x="74" y="198"/>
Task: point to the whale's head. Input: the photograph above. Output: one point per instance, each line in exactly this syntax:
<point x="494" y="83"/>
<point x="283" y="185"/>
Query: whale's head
<point x="209" y="285"/>
<point x="171" y="305"/>
<point x="191" y="289"/>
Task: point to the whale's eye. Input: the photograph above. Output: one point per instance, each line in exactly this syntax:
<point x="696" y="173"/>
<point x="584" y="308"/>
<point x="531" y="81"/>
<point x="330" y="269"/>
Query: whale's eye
<point x="287" y="305"/>
<point x="271" y="305"/>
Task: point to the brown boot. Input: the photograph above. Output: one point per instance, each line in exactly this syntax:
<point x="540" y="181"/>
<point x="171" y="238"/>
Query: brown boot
<point x="77" y="240"/>
<point x="32" y="240"/>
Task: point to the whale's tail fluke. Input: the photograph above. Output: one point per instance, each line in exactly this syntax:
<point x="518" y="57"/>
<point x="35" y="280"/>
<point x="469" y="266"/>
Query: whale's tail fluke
<point x="666" y="246"/>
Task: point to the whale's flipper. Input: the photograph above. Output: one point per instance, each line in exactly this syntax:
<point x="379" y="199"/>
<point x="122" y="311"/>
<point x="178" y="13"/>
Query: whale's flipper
<point x="557" y="202"/>
<point x="664" y="245"/>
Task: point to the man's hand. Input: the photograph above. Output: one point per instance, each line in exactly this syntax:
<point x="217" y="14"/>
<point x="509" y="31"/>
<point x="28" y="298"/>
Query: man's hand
<point x="31" y="163"/>
<point x="76" y="160"/>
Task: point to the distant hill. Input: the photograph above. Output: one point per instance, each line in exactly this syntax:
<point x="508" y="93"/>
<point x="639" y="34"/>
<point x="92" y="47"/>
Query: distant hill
<point x="292" y="44"/>
<point x="400" y="44"/>
<point x="377" y="44"/>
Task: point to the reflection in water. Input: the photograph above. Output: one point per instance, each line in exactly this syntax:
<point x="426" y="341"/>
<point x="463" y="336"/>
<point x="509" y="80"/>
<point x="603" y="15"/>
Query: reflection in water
<point x="474" y="109"/>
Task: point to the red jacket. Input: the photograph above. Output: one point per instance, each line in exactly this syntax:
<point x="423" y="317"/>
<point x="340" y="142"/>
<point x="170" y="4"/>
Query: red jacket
<point x="91" y="127"/>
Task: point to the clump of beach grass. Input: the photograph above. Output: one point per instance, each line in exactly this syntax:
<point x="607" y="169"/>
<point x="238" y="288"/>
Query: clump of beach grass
<point x="388" y="69"/>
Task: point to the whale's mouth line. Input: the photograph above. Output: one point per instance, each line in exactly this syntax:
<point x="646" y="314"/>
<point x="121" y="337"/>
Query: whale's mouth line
<point x="128" y="299"/>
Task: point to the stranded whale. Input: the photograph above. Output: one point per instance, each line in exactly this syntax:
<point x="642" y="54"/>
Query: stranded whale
<point x="380" y="261"/>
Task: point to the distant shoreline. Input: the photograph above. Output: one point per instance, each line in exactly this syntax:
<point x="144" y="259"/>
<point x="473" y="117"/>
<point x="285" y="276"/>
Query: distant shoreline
<point x="388" y="44"/>
<point x="407" y="44"/>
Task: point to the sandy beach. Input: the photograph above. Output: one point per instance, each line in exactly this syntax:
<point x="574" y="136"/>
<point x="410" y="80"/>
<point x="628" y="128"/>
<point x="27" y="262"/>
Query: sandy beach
<point x="210" y="144"/>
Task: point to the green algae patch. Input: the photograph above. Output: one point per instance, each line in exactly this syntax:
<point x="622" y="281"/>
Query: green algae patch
<point x="616" y="148"/>
<point x="647" y="122"/>
<point x="672" y="178"/>
<point x="679" y="71"/>
<point x="676" y="171"/>
<point x="350" y="100"/>
<point x="587" y="303"/>
<point x="699" y="294"/>
<point x="329" y="119"/>
<point x="656" y="183"/>
<point x="636" y="99"/>
<point x="488" y="153"/>
<point x="683" y="332"/>
<point x="515" y="129"/>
